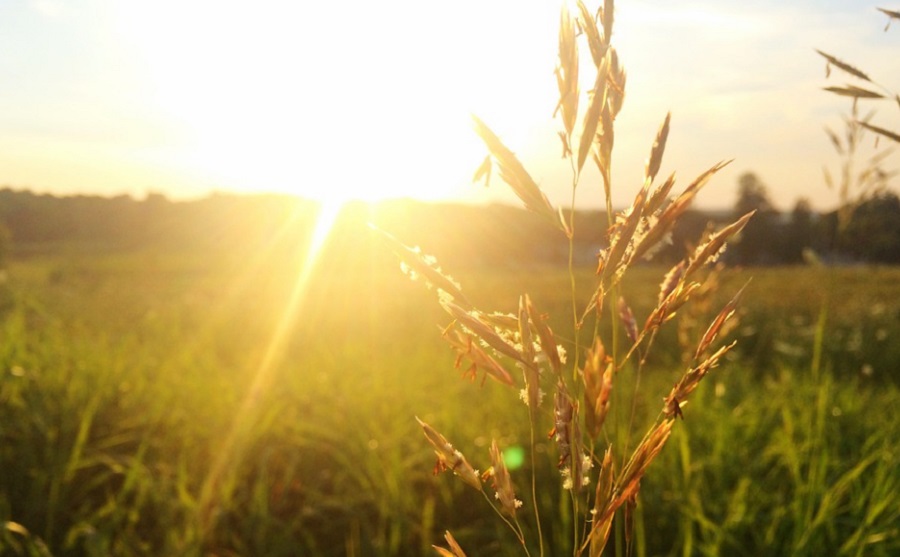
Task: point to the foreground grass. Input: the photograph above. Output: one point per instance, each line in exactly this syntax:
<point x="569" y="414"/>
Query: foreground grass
<point x="135" y="420"/>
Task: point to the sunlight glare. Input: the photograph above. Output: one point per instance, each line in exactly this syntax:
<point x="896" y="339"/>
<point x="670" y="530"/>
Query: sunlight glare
<point x="234" y="443"/>
<point x="356" y="101"/>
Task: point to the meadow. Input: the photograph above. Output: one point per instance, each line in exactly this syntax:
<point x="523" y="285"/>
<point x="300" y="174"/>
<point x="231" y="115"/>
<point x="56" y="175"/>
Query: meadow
<point x="187" y="402"/>
<point x="222" y="378"/>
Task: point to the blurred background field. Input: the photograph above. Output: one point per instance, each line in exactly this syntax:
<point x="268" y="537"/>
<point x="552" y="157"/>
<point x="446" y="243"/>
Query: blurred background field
<point x="169" y="398"/>
<point x="240" y="375"/>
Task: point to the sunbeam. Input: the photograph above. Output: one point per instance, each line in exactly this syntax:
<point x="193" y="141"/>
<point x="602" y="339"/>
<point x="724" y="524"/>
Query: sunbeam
<point x="233" y="445"/>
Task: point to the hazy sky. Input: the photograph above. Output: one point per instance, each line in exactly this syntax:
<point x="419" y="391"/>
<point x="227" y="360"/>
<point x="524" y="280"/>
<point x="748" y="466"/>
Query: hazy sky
<point x="371" y="99"/>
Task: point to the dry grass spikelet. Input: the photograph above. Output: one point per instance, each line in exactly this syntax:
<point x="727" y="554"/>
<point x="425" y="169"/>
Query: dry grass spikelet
<point x="596" y="43"/>
<point x="710" y="251"/>
<point x="513" y="173"/>
<point x="656" y="153"/>
<point x="718" y="323"/>
<point x="616" y="258"/>
<point x="449" y="458"/>
<point x="532" y="373"/>
<point x="545" y="336"/>
<point x="572" y="462"/>
<point x="592" y="118"/>
<point x="852" y="70"/>
<point x="598" y="382"/>
<point x="689" y="381"/>
<point x="617" y="76"/>
<point x="472" y="321"/>
<point x="567" y="71"/>
<point x="503" y="486"/>
<point x="628" y="483"/>
<point x="415" y="263"/>
<point x="466" y="348"/>
<point x="483" y="172"/>
<point x="666" y="309"/>
<point x="453" y="549"/>
<point x="892" y="15"/>
<point x="603" y="146"/>
<point x="603" y="495"/>
<point x="610" y="497"/>
<point x="689" y="324"/>
<point x="668" y="216"/>
<point x="626" y="316"/>
<point x="670" y="281"/>
<point x="659" y="196"/>
<point x="855" y="92"/>
<point x="607" y="16"/>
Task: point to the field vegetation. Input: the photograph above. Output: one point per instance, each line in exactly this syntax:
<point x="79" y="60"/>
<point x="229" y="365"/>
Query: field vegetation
<point x="126" y="426"/>
<point x="230" y="381"/>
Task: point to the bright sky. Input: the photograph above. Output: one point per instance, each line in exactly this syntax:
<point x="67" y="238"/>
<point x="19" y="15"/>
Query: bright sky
<point x="371" y="99"/>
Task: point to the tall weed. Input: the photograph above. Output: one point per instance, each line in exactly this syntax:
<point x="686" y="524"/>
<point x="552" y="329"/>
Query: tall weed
<point x="605" y="438"/>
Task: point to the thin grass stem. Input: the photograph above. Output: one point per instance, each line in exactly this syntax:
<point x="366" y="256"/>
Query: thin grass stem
<point x="513" y="525"/>
<point x="534" y="499"/>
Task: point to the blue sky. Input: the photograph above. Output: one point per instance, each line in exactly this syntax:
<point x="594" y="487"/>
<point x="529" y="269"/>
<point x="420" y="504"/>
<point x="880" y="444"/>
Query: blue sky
<point x="371" y="99"/>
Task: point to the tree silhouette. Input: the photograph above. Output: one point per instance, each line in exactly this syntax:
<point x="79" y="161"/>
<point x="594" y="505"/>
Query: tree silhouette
<point x="799" y="234"/>
<point x="874" y="233"/>
<point x="760" y="240"/>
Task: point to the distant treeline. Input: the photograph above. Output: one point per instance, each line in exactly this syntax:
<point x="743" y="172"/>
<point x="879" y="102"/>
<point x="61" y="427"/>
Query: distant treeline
<point x="457" y="234"/>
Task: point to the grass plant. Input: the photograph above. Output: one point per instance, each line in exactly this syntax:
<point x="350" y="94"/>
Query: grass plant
<point x="520" y="350"/>
<point x="336" y="466"/>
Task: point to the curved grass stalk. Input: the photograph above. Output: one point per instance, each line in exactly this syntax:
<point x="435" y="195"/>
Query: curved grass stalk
<point x="534" y="499"/>
<point x="513" y="525"/>
<point x="527" y="341"/>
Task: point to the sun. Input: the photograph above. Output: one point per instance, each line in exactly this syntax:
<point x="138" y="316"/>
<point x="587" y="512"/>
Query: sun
<point x="339" y="101"/>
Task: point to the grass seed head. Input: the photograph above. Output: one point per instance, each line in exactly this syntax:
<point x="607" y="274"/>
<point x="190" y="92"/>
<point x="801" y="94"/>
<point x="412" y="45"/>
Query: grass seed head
<point x="689" y="381"/>
<point x="598" y="380"/>
<point x="514" y="174"/>
<point x="567" y="70"/>
<point x="616" y="84"/>
<point x="628" y="321"/>
<point x="603" y="498"/>
<point x="473" y="322"/>
<point x="416" y="264"/>
<point x="573" y="463"/>
<point x="716" y="326"/>
<point x="545" y="336"/>
<point x="603" y="143"/>
<point x="588" y="24"/>
<point x="453" y="549"/>
<point x="607" y="16"/>
<point x="656" y="153"/>
<point x="671" y="281"/>
<point x="505" y="492"/>
<point x="710" y="251"/>
<point x="630" y="480"/>
<point x="466" y="348"/>
<point x="450" y="458"/>
<point x="592" y="117"/>
<point x="659" y="196"/>
<point x="832" y="61"/>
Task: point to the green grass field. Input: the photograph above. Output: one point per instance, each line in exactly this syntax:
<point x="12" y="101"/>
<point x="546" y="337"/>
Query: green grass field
<point x="167" y="403"/>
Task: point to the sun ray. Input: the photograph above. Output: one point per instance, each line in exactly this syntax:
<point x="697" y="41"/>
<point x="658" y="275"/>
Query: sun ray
<point x="235" y="441"/>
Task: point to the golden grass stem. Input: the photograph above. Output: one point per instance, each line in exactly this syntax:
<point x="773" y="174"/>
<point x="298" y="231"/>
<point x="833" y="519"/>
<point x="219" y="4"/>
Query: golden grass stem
<point x="534" y="500"/>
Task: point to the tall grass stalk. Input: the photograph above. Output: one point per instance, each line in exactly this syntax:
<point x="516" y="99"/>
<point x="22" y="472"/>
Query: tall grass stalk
<point x="599" y="469"/>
